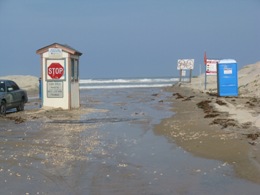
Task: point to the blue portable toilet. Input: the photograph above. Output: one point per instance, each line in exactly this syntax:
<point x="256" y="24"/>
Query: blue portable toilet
<point x="227" y="77"/>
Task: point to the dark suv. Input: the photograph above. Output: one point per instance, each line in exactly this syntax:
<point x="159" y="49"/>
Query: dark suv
<point x="11" y="96"/>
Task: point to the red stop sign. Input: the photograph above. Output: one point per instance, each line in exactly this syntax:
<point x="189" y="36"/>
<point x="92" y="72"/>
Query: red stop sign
<point x="55" y="70"/>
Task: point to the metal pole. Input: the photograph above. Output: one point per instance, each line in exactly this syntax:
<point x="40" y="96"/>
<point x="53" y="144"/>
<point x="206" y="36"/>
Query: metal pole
<point x="205" y="76"/>
<point x="190" y="74"/>
<point x="180" y="75"/>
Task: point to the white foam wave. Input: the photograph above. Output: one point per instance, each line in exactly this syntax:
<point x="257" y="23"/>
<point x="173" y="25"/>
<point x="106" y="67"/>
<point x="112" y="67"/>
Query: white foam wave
<point x="143" y="80"/>
<point x="124" y="86"/>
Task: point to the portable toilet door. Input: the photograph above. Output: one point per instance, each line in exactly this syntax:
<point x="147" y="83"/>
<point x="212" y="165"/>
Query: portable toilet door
<point x="227" y="77"/>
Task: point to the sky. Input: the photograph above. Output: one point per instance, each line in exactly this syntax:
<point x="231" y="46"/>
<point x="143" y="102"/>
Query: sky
<point x="129" y="38"/>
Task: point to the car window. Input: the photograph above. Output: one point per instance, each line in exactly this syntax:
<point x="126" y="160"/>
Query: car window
<point x="14" y="85"/>
<point x="11" y="86"/>
<point x="8" y="86"/>
<point x="2" y="86"/>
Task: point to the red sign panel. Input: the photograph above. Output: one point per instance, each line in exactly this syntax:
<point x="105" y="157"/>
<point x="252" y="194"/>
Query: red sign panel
<point x="55" y="70"/>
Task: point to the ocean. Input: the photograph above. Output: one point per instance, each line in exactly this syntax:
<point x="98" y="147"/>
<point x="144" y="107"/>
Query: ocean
<point x="127" y="83"/>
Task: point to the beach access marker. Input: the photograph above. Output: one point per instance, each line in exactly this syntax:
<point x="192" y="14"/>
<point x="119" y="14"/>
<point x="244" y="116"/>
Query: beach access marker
<point x="227" y="79"/>
<point x="211" y="69"/>
<point x="183" y="65"/>
<point x="59" y="76"/>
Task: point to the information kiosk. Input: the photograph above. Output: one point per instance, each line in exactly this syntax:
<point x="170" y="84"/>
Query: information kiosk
<point x="59" y="76"/>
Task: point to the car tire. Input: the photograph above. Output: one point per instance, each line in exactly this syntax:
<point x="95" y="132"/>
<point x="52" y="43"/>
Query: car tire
<point x="21" y="106"/>
<point x="3" y="109"/>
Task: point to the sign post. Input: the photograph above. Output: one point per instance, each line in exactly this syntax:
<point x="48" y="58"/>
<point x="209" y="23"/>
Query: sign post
<point x="211" y="69"/>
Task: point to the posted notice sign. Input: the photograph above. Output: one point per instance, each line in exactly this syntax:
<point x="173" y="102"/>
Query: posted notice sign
<point x="55" y="89"/>
<point x="185" y="64"/>
<point x="55" y="52"/>
<point x="211" y="67"/>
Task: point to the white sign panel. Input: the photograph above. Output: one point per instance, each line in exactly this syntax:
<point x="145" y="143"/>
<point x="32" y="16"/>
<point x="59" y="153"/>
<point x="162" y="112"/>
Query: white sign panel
<point x="55" y="52"/>
<point x="211" y="67"/>
<point x="55" y="89"/>
<point x="185" y="64"/>
<point x="227" y="70"/>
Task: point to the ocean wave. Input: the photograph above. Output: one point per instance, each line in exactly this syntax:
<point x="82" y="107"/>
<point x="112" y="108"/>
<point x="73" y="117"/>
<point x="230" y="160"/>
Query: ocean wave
<point x="139" y="80"/>
<point x="124" y="86"/>
<point x="127" y="83"/>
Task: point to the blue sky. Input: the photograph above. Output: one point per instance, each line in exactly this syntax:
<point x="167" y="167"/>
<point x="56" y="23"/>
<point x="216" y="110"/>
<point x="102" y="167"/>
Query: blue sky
<point x="129" y="38"/>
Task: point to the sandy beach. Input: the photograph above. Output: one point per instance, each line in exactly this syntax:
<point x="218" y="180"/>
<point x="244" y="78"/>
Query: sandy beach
<point x="223" y="128"/>
<point x="99" y="148"/>
<point x="203" y="129"/>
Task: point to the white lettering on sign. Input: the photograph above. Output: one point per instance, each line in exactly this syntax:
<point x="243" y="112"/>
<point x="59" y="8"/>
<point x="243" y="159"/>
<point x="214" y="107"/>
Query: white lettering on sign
<point x="55" y="71"/>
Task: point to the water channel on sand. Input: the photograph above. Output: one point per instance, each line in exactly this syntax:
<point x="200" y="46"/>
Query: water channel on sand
<point x="139" y="162"/>
<point x="117" y="152"/>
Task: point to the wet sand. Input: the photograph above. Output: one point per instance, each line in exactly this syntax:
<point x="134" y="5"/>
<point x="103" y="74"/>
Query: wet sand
<point x="201" y="129"/>
<point x="123" y="141"/>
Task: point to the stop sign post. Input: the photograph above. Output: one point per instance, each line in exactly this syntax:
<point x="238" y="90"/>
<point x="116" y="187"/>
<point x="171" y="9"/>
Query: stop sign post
<point x="55" y="70"/>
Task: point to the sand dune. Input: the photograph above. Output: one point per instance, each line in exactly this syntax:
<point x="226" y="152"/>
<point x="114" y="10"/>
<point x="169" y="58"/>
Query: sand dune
<point x="248" y="81"/>
<point x="27" y="82"/>
<point x="248" y="85"/>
